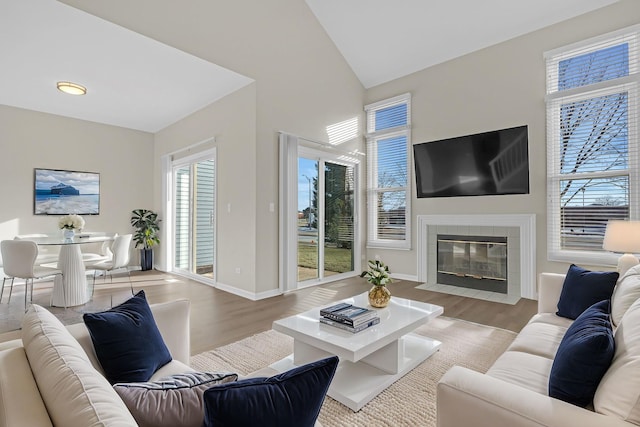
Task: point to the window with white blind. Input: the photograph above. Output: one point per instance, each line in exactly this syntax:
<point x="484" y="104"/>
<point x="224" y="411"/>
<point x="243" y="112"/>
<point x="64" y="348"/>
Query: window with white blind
<point x="388" y="196"/>
<point x="592" y="142"/>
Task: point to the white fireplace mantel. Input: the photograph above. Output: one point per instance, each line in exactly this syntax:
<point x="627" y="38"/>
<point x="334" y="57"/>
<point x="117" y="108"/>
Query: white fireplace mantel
<point x="526" y="223"/>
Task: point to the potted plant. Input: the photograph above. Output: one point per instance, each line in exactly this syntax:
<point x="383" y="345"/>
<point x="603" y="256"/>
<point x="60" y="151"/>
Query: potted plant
<point x="147" y="226"/>
<point x="378" y="274"/>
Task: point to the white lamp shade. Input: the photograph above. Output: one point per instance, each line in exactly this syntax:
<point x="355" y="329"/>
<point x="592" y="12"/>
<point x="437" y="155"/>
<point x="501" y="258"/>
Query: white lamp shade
<point x="622" y="237"/>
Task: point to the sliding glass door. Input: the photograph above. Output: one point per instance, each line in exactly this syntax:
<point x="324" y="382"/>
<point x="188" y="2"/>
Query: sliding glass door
<point x="308" y="233"/>
<point x="194" y="216"/>
<point x="338" y="218"/>
<point x="325" y="219"/>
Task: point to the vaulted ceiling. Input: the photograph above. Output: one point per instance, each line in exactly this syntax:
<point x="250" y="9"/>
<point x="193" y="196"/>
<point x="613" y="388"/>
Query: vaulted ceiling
<point x="380" y="39"/>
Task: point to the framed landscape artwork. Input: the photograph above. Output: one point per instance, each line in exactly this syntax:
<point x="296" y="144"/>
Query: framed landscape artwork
<point x="62" y="192"/>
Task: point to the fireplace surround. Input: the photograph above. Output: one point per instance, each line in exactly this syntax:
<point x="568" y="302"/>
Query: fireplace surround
<point x="519" y="230"/>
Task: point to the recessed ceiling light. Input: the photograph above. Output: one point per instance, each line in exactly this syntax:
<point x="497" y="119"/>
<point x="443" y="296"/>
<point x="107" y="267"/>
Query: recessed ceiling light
<point x="71" y="88"/>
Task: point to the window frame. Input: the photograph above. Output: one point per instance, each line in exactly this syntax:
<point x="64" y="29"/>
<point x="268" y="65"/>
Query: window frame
<point x="555" y="98"/>
<point x="372" y="139"/>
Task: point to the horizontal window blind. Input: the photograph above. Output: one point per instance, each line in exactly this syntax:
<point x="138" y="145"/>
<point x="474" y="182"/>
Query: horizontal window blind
<point x="592" y="140"/>
<point x="388" y="172"/>
<point x="601" y="59"/>
<point x="391" y="165"/>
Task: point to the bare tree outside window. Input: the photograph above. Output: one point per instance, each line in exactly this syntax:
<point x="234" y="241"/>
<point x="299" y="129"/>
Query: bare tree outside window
<point x="594" y="148"/>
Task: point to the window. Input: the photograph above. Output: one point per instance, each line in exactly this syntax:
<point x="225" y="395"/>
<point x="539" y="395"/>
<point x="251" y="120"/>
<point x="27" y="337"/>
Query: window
<point x="388" y="196"/>
<point x="592" y="142"/>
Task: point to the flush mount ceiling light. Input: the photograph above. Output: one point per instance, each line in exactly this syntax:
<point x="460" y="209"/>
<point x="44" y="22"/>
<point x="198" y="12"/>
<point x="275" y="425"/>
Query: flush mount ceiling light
<point x="71" y="88"/>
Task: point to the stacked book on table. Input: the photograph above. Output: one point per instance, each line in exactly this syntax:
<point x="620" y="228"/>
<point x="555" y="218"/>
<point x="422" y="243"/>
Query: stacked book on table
<point x="349" y="317"/>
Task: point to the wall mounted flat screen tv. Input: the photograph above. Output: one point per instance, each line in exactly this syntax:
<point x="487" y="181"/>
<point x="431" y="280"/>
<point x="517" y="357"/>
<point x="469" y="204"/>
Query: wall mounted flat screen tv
<point x="487" y="163"/>
<point x="62" y="192"/>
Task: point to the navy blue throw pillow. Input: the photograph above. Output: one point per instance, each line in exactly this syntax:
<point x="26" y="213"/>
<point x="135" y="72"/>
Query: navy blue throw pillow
<point x="583" y="288"/>
<point x="127" y="341"/>
<point x="290" y="399"/>
<point x="583" y="357"/>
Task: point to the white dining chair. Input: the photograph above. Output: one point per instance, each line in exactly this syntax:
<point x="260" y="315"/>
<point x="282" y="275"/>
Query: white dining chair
<point x="46" y="254"/>
<point x="19" y="262"/>
<point x="103" y="253"/>
<point x="119" y="260"/>
<point x="4" y="276"/>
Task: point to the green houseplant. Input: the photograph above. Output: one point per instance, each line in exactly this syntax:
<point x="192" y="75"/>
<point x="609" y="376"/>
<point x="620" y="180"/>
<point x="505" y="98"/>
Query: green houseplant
<point x="378" y="275"/>
<point x="147" y="227"/>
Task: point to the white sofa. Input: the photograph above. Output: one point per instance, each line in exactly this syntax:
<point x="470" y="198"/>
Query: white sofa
<point x="52" y="376"/>
<point x="514" y="391"/>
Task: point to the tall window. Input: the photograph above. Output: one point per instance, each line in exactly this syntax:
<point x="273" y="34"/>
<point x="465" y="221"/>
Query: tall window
<point x="592" y="142"/>
<point x="388" y="196"/>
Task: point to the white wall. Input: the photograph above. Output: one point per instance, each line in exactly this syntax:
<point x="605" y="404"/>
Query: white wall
<point x="29" y="139"/>
<point x="302" y="85"/>
<point x="498" y="87"/>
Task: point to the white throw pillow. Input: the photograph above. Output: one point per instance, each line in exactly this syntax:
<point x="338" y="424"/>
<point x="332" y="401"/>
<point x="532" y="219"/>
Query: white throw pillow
<point x="626" y="292"/>
<point x="74" y="393"/>
<point x="619" y="391"/>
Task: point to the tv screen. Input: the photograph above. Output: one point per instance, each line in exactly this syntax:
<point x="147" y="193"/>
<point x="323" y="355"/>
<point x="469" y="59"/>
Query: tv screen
<point x="487" y="163"/>
<point x="60" y="192"/>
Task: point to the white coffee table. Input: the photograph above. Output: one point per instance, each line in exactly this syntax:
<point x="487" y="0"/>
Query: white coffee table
<point x="370" y="360"/>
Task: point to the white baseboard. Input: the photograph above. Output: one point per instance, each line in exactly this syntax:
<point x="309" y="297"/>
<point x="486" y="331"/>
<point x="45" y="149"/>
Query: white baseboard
<point x="411" y="278"/>
<point x="246" y="294"/>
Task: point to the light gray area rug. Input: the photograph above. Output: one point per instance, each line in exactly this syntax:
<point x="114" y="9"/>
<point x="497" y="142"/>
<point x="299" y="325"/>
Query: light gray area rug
<point x="410" y="401"/>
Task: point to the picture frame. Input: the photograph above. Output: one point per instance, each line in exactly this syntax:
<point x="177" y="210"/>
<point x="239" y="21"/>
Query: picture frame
<point x="63" y="192"/>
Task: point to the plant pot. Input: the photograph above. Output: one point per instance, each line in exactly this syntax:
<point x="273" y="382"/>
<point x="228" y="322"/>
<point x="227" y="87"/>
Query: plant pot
<point x="379" y="296"/>
<point x="146" y="259"/>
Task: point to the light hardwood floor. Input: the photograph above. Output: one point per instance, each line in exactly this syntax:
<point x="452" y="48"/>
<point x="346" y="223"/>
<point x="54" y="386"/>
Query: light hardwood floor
<point x="219" y="318"/>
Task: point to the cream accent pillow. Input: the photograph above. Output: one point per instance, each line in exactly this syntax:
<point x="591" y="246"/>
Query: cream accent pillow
<point x="626" y="292"/>
<point x="74" y="393"/>
<point x="619" y="391"/>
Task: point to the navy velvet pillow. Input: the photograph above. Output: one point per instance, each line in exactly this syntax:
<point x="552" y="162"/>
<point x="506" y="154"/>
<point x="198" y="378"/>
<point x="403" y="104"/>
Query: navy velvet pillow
<point x="583" y="357"/>
<point x="290" y="399"/>
<point x="127" y="341"/>
<point x="583" y="288"/>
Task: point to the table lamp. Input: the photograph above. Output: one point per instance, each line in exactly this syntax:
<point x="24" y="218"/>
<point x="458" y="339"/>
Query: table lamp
<point x="623" y="237"/>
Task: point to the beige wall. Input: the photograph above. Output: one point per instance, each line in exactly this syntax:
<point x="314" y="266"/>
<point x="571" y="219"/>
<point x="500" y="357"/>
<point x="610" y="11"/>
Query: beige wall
<point x="29" y="139"/>
<point x="231" y="121"/>
<point x="302" y="85"/>
<point x="498" y="87"/>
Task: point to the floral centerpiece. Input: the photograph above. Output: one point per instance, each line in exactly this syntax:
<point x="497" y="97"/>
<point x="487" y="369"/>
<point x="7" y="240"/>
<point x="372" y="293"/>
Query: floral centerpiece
<point x="378" y="274"/>
<point x="70" y="223"/>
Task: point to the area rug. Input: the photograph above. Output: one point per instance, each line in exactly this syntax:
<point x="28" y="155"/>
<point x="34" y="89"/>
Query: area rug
<point x="410" y="401"/>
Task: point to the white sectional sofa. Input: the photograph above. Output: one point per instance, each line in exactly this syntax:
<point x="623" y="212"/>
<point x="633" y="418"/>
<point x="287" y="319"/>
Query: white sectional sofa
<point x="52" y="376"/>
<point x="514" y="392"/>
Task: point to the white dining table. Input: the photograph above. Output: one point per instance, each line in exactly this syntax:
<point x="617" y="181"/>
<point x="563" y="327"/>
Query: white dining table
<point x="73" y="283"/>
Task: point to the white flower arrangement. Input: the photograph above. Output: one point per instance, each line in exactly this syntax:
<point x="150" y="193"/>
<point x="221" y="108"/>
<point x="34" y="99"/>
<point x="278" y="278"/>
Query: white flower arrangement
<point x="71" y="222"/>
<point x="378" y="273"/>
